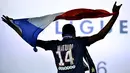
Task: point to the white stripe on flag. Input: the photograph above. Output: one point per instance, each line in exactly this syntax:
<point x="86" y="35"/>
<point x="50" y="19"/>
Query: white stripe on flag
<point x="43" y="21"/>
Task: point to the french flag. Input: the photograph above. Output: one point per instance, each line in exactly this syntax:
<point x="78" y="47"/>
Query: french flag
<point x="31" y="27"/>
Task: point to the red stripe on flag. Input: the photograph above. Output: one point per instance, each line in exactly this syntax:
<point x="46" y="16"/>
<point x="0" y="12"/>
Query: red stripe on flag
<point x="77" y="14"/>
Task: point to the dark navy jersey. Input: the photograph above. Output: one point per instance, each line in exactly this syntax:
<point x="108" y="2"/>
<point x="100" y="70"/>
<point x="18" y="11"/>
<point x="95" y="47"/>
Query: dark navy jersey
<point x="68" y="53"/>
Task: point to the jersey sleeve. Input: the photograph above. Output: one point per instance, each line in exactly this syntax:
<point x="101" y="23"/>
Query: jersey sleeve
<point x="47" y="45"/>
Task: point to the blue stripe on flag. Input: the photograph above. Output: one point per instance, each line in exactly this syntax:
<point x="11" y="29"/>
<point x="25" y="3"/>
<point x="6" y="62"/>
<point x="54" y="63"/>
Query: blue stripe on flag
<point x="29" y="31"/>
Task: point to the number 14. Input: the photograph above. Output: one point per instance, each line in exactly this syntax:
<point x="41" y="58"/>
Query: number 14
<point x="68" y="54"/>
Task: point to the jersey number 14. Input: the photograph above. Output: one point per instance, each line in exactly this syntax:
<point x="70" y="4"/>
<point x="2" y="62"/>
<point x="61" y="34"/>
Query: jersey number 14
<point x="68" y="58"/>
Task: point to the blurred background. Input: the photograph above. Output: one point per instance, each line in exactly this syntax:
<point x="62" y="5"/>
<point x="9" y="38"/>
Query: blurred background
<point x="110" y="55"/>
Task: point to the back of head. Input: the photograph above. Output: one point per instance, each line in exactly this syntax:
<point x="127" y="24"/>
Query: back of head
<point x="68" y="29"/>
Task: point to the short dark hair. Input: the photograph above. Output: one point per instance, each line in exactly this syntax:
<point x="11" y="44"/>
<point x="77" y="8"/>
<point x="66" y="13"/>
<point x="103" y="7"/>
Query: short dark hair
<point x="68" y="29"/>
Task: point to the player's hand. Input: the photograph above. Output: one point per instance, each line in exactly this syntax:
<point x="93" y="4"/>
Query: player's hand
<point x="116" y="8"/>
<point x="7" y="20"/>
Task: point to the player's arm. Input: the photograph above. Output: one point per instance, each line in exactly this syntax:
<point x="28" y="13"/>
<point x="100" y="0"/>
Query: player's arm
<point x="47" y="45"/>
<point x="8" y="21"/>
<point x="41" y="43"/>
<point x="107" y="28"/>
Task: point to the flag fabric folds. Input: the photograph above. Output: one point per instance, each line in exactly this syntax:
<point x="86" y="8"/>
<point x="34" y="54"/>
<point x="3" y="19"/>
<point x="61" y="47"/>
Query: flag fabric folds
<point x="31" y="27"/>
<point x="81" y="13"/>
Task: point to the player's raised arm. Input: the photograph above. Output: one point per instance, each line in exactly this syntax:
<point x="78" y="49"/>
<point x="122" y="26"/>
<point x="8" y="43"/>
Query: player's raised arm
<point x="107" y="28"/>
<point x="41" y="43"/>
<point x="7" y="20"/>
<point x="47" y="45"/>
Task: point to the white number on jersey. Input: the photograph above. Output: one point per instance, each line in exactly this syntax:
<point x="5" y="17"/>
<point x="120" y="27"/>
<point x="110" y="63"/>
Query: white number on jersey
<point x="68" y="58"/>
